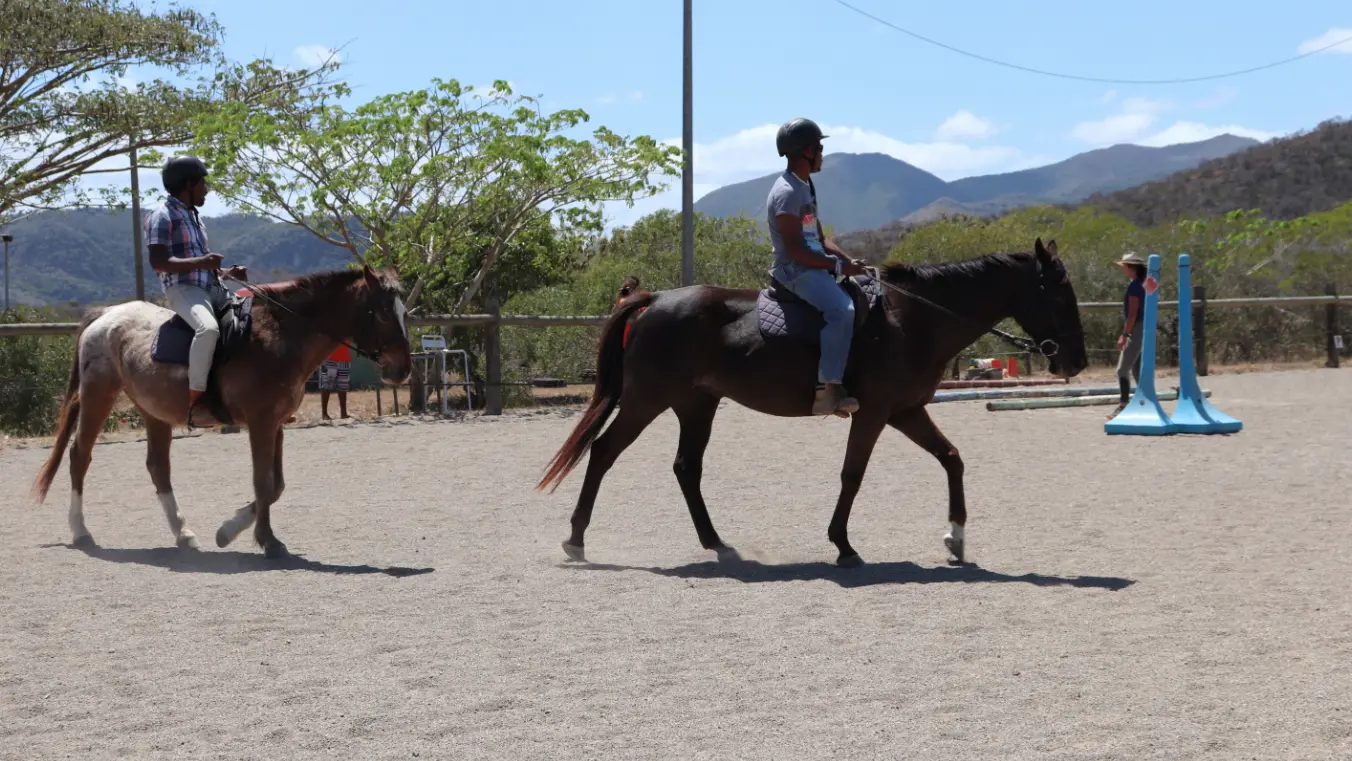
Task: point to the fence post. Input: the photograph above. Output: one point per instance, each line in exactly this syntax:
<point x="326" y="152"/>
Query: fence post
<point x="956" y="360"/>
<point x="1331" y="317"/>
<point x="493" y="358"/>
<point x="1199" y="330"/>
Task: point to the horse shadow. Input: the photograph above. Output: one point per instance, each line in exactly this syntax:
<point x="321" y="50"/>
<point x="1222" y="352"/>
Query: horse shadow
<point x="903" y="572"/>
<point x="230" y="562"/>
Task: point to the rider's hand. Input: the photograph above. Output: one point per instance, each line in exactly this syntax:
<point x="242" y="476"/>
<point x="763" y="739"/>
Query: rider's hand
<point x="238" y="272"/>
<point x="1121" y="343"/>
<point x="211" y="261"/>
<point x="853" y="267"/>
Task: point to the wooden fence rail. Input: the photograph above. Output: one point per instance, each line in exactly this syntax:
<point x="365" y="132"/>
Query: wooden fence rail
<point x="493" y="323"/>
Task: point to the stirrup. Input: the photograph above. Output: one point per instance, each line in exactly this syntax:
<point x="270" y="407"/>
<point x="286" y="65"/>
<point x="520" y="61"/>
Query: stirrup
<point x="201" y="405"/>
<point x="838" y="409"/>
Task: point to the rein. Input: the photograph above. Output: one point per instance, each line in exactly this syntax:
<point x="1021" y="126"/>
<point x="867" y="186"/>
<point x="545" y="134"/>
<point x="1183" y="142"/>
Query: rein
<point x="1018" y="342"/>
<point x="374" y="357"/>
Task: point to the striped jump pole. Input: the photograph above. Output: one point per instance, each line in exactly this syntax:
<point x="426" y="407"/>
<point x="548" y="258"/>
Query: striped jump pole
<point x="1143" y="415"/>
<point x="1193" y="413"/>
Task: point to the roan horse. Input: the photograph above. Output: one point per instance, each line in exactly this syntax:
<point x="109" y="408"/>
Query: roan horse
<point x="693" y="346"/>
<point x="257" y="379"/>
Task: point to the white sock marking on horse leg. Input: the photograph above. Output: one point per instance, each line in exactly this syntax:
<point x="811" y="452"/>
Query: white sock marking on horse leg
<point x="955" y="532"/>
<point x="174" y="515"/>
<point x="232" y="528"/>
<point x="78" y="530"/>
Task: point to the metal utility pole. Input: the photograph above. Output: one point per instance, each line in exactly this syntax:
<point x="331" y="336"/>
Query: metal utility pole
<point x="6" y="238"/>
<point x="136" y="227"/>
<point x="688" y="172"/>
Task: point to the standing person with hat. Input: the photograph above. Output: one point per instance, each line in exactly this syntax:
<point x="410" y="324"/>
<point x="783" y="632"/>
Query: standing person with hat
<point x="1129" y="342"/>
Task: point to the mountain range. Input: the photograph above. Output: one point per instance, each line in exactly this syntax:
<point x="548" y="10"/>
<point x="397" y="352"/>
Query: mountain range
<point x="862" y="191"/>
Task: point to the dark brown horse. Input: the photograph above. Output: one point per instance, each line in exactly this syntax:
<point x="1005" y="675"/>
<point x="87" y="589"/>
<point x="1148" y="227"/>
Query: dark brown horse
<point x="258" y="380"/>
<point x="693" y="346"/>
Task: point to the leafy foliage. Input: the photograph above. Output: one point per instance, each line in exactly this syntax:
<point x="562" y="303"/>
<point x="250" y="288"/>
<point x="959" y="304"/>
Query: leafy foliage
<point x="55" y="128"/>
<point x="420" y="178"/>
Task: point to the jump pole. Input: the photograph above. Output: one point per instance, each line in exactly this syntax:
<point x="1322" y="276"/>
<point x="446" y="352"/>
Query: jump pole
<point x="986" y="394"/>
<point x="1193" y="413"/>
<point x="1079" y="401"/>
<point x="1143" y="415"/>
<point x="1003" y="383"/>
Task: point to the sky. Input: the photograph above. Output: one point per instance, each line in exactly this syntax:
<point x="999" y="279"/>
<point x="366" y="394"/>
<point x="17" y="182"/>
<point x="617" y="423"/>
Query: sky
<point x="758" y="63"/>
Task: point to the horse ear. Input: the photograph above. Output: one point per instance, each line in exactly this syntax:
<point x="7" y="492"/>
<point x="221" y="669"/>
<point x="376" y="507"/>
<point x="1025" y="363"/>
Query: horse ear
<point x="1051" y="247"/>
<point x="1038" y="248"/>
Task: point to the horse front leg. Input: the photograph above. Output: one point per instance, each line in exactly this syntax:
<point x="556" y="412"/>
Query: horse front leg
<point x="864" y="432"/>
<point x="917" y="425"/>
<point x="245" y="516"/>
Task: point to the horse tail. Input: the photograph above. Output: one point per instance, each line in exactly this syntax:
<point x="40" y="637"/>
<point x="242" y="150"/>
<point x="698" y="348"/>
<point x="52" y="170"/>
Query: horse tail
<point x="66" y="418"/>
<point x="605" y="395"/>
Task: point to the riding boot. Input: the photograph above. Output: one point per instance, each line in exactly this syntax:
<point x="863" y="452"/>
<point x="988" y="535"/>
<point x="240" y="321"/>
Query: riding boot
<point x="1125" y="385"/>
<point x="831" y="399"/>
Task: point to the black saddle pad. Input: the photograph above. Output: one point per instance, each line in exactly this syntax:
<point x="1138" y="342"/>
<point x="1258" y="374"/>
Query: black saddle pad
<point x="783" y="315"/>
<point x="174" y="337"/>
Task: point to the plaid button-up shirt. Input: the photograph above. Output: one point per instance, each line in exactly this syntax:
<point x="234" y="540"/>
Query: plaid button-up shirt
<point x="176" y="225"/>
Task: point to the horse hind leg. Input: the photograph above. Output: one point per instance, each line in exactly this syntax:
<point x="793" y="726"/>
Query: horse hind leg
<point x="623" y="431"/>
<point x="159" y="437"/>
<point x="697" y="420"/>
<point x="96" y="404"/>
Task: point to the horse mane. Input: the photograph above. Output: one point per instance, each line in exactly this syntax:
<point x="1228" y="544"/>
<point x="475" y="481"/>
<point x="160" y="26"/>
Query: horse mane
<point x="305" y="292"/>
<point x="966" y="270"/>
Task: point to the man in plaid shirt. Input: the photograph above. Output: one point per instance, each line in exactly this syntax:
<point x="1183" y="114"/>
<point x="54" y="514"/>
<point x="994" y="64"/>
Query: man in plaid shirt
<point x="189" y="273"/>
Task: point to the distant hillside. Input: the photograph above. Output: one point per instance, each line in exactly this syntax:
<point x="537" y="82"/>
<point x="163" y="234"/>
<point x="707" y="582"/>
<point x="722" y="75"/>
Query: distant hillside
<point x="1286" y="178"/>
<point x="865" y="191"/>
<point x="86" y="255"/>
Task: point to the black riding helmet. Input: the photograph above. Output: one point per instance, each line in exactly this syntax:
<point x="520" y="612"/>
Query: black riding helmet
<point x="796" y="136"/>
<point x="179" y="170"/>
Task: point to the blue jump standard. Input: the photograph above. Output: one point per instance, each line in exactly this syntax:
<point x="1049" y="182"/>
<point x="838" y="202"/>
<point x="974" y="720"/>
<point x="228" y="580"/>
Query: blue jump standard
<point x="1143" y="415"/>
<point x="1194" y="413"/>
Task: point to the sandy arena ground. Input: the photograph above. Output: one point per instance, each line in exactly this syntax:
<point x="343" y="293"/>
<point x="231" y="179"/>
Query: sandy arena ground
<point x="1132" y="597"/>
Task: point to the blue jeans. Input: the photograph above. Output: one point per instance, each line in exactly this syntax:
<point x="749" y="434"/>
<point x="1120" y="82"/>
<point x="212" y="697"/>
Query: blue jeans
<point x="820" y="289"/>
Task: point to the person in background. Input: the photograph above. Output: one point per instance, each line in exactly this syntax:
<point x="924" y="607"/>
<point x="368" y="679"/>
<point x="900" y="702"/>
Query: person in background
<point x="334" y="375"/>
<point x="1129" y="342"/>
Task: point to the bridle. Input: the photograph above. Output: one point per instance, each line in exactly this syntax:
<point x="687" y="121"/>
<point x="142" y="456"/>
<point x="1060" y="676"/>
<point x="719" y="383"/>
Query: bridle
<point x="374" y="356"/>
<point x="1046" y="347"/>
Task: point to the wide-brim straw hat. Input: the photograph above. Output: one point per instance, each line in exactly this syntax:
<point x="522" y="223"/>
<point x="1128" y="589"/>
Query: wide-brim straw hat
<point x="1132" y="258"/>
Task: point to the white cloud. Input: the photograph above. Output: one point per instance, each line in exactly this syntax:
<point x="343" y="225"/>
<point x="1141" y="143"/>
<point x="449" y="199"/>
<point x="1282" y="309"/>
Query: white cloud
<point x="1137" y="116"/>
<point x="312" y="56"/>
<point x="965" y="125"/>
<point x="1140" y="118"/>
<point x="1192" y="132"/>
<point x="611" y="97"/>
<point x="1122" y="128"/>
<point x="606" y="99"/>
<point x="1329" y="38"/>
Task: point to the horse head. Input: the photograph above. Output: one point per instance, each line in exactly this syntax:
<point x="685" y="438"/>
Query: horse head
<point x="382" y="332"/>
<point x="1048" y="311"/>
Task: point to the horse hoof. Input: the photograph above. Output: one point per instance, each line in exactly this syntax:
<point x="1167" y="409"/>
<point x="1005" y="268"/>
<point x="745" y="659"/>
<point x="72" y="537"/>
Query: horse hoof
<point x="850" y="561"/>
<point x="223" y="538"/>
<point x="574" y="552"/>
<point x="954" y="546"/>
<point x="274" y="549"/>
<point x="728" y="555"/>
<point x="84" y="542"/>
<point x="188" y="542"/>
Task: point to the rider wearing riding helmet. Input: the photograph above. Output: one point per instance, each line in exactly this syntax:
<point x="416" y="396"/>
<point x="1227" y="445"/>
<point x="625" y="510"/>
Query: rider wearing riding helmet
<point x="808" y="264"/>
<point x="189" y="273"/>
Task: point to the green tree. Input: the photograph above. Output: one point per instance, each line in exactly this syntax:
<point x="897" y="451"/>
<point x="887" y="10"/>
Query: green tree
<point x="55" y="127"/>
<point x="419" y="178"/>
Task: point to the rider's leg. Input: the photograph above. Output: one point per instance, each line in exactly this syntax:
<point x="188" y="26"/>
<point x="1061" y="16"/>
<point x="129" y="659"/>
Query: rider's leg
<point x="820" y="289"/>
<point x="194" y="305"/>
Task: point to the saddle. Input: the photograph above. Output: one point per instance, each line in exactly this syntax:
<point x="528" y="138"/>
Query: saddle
<point x="174" y="339"/>
<point x="781" y="313"/>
